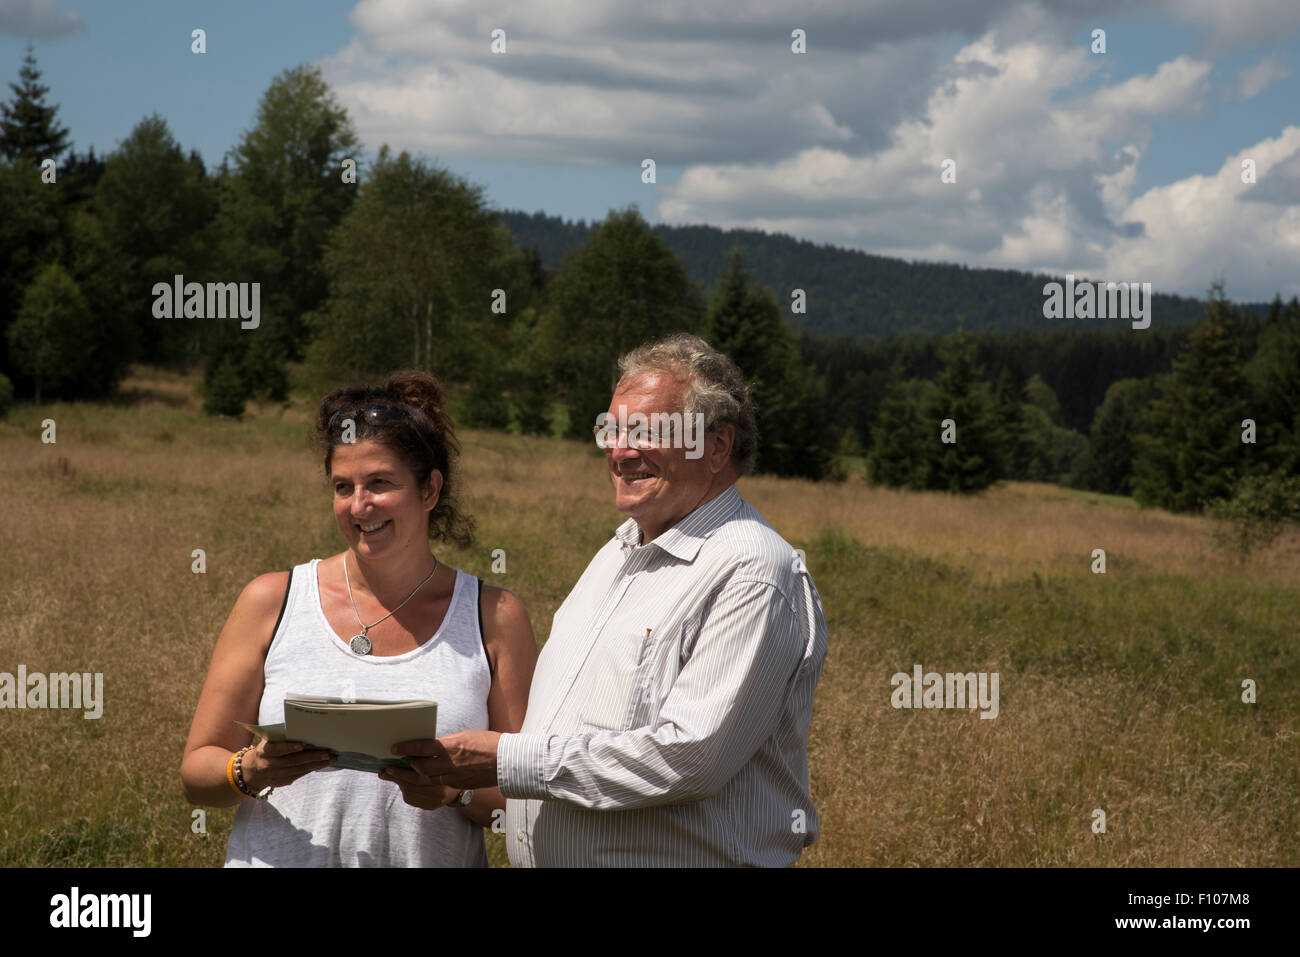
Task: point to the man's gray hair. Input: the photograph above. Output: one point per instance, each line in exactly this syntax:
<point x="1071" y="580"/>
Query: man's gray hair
<point x="715" y="387"/>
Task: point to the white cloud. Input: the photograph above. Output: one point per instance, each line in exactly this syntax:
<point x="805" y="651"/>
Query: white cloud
<point x="842" y="144"/>
<point x="1231" y="23"/>
<point x="37" y="19"/>
<point x="598" y="81"/>
<point x="1044" y="179"/>
<point x="1202" y="227"/>
<point x="1176" y="85"/>
<point x="1255" y="79"/>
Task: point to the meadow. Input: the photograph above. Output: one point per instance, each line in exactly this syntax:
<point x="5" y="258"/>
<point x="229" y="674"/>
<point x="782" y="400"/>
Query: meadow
<point x="1119" y="691"/>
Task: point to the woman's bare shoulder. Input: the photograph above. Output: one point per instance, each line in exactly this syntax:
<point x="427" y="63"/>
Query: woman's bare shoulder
<point x="264" y="593"/>
<point x="506" y="626"/>
<point x="258" y="608"/>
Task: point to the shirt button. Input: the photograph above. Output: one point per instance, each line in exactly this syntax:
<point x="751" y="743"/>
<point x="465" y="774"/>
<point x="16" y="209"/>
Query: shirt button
<point x="519" y="834"/>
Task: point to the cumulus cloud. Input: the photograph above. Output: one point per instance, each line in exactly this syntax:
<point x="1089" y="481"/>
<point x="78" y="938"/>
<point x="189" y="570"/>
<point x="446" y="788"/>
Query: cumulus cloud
<point x="612" y="83"/>
<point x="1206" y="226"/>
<point x="844" y="143"/>
<point x="38" y="20"/>
<point x="1233" y="24"/>
<point x="1043" y="177"/>
<point x="1255" y="79"/>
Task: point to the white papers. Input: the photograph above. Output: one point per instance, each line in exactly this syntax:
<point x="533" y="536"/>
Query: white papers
<point x="360" y="732"/>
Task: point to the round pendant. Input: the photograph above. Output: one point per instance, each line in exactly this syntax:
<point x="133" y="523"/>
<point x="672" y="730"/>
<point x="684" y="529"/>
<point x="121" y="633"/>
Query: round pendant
<point x="360" y="645"/>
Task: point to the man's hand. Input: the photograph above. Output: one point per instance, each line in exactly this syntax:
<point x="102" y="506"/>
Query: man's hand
<point x="418" y="790"/>
<point x="466" y="759"/>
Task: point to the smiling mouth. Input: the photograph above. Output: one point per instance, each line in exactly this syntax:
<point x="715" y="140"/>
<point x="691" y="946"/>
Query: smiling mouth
<point x="634" y="476"/>
<point x="371" y="529"/>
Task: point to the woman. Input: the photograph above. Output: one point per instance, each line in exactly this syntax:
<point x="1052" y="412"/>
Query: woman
<point x="383" y="619"/>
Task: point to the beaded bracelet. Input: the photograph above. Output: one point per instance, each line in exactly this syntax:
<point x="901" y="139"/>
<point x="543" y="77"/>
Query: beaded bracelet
<point x="237" y="779"/>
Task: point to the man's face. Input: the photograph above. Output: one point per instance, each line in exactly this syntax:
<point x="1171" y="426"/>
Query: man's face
<point x="657" y="487"/>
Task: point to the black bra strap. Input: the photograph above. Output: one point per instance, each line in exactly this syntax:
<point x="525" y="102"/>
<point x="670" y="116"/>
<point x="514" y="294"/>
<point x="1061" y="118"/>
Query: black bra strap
<point x="482" y="635"/>
<point x="283" y="605"/>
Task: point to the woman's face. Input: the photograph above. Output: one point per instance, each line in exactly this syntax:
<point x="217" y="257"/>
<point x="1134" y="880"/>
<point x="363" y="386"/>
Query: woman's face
<point x="377" y="503"/>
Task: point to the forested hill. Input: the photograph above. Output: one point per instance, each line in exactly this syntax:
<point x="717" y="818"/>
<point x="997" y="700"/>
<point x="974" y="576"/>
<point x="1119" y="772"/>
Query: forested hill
<point x="855" y="293"/>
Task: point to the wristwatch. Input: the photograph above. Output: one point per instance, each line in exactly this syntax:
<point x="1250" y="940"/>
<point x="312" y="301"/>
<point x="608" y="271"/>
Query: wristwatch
<point x="463" y="798"/>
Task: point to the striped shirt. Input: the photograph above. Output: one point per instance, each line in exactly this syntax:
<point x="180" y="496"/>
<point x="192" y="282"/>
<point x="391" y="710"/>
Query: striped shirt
<point x="667" y="723"/>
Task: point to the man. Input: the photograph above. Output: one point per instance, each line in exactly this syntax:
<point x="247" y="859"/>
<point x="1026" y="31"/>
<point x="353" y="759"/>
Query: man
<point x="667" y="722"/>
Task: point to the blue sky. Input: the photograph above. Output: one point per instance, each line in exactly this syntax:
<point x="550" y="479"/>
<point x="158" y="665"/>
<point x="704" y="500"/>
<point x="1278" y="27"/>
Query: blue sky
<point x="1121" y="165"/>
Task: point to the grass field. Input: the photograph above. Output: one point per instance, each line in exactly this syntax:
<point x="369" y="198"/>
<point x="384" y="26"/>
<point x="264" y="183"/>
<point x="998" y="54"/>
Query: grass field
<point x="1119" y="691"/>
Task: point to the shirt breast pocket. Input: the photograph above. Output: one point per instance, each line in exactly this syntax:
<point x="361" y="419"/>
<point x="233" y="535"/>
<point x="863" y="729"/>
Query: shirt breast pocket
<point x="616" y="683"/>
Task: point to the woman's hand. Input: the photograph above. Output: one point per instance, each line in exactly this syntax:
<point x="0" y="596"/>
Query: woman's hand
<point x="279" y="763"/>
<point x="418" y="790"/>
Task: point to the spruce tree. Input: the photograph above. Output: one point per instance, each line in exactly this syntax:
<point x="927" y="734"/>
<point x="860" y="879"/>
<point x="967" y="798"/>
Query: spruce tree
<point x="745" y="323"/>
<point x="28" y="128"/>
<point x="1275" y="374"/>
<point x="1011" y="396"/>
<point x="1192" y="451"/>
<point x="33" y="231"/>
<point x="531" y="391"/>
<point x="153" y="207"/>
<point x="224" y="390"/>
<point x="973" y="461"/>
<point x="896" y="438"/>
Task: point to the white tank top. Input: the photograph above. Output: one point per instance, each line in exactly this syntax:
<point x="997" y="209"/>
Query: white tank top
<point x="343" y="818"/>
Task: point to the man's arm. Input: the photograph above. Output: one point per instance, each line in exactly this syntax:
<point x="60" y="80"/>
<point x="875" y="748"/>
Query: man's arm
<point x="725" y="703"/>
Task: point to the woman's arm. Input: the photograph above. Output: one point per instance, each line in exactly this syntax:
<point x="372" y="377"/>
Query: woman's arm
<point x="233" y="691"/>
<point x="512" y="654"/>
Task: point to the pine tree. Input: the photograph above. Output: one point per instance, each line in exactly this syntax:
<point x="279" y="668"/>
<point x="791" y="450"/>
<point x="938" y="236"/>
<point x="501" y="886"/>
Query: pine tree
<point x="33" y="231"/>
<point x="1011" y="396"/>
<point x="1192" y="451"/>
<point x="896" y="438"/>
<point x="531" y="392"/>
<point x="745" y="324"/>
<point x="80" y="176"/>
<point x="973" y="461"/>
<point x="28" y="129"/>
<point x="153" y="208"/>
<point x="224" y="390"/>
<point x="1275" y="374"/>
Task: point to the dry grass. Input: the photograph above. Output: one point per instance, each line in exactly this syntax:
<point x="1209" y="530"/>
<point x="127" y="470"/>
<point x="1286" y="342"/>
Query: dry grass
<point x="1006" y="531"/>
<point x="1118" y="692"/>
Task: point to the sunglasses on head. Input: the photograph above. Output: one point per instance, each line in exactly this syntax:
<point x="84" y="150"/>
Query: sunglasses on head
<point x="372" y="415"/>
<point x="379" y="414"/>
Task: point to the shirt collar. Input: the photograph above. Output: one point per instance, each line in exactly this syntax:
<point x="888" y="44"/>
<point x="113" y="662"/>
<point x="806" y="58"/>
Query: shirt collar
<point x="684" y="539"/>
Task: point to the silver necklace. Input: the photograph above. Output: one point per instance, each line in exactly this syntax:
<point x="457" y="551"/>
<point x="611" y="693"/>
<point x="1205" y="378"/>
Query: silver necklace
<point x="360" y="644"/>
